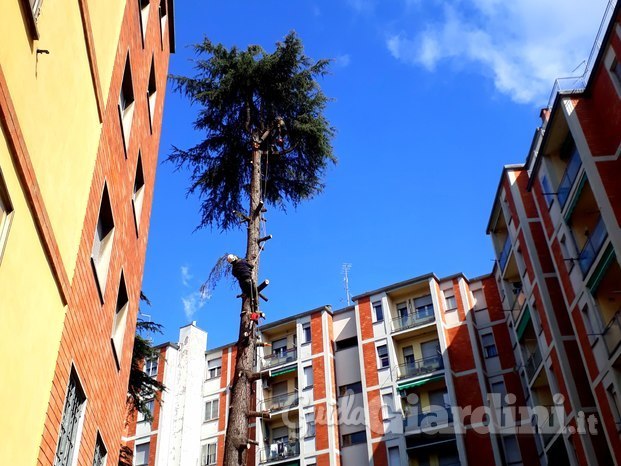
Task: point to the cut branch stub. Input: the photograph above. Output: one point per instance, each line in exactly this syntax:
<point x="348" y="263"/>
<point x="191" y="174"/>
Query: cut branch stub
<point x="263" y="285"/>
<point x="261" y="414"/>
<point x="264" y="239"/>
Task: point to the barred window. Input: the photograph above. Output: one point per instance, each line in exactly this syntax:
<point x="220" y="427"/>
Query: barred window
<point x="72" y="415"/>
<point x="99" y="458"/>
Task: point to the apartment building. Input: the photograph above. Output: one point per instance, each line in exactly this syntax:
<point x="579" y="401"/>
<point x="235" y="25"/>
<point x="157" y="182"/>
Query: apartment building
<point x="81" y="99"/>
<point x="517" y="367"/>
<point x="555" y="229"/>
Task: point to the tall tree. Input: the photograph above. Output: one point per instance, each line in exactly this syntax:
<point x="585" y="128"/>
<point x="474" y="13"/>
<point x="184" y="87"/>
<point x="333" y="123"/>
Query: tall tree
<point x="265" y="142"/>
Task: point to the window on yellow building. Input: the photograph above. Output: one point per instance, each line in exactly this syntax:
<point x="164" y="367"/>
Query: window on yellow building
<point x="6" y="214"/>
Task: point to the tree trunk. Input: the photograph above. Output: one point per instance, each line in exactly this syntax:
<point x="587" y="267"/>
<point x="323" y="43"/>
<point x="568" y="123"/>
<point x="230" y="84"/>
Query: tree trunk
<point x="236" y="440"/>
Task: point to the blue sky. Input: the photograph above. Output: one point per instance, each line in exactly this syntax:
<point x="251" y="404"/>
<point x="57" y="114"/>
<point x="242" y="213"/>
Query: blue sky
<point x="430" y="99"/>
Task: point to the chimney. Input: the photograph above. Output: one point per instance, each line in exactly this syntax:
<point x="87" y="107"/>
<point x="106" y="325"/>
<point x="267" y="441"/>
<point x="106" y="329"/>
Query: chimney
<point x="545" y="116"/>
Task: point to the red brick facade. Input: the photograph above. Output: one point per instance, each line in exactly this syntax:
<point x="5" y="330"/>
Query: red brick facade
<point x="85" y="346"/>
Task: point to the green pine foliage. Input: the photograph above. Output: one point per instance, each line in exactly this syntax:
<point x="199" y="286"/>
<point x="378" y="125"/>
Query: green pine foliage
<point x="241" y="94"/>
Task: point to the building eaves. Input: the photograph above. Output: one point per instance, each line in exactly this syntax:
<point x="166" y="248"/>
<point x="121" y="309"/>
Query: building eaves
<point x="168" y="343"/>
<point x="395" y="286"/>
<point x="505" y="169"/>
<point x="326" y="308"/>
<point x="343" y="310"/>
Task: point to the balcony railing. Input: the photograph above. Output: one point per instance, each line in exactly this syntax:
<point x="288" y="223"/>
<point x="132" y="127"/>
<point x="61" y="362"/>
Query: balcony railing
<point x="420" y="367"/>
<point x="569" y="177"/>
<point x="612" y="333"/>
<point x="280" y="402"/>
<point x="280" y="357"/>
<point x="552" y="424"/>
<point x="533" y="363"/>
<point x="435" y="418"/>
<point x="592" y="246"/>
<point x="279" y="451"/>
<point x="504" y="254"/>
<point x="571" y="85"/>
<point x="414" y="319"/>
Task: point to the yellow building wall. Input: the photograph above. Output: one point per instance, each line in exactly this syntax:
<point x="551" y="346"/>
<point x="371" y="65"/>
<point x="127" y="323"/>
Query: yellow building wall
<point x="31" y="321"/>
<point x="105" y="35"/>
<point x="56" y="107"/>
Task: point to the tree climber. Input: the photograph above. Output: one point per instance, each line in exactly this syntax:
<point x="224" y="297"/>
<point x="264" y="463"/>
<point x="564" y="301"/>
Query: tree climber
<point x="242" y="271"/>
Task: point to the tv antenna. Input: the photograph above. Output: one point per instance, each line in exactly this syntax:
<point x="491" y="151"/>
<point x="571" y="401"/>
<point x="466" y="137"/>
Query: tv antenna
<point x="346" y="268"/>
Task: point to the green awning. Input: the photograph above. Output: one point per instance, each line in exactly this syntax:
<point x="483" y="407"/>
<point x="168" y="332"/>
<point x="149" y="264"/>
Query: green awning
<point x="574" y="200"/>
<point x="418" y="383"/>
<point x="284" y="371"/>
<point x="598" y="275"/>
<point x="521" y="327"/>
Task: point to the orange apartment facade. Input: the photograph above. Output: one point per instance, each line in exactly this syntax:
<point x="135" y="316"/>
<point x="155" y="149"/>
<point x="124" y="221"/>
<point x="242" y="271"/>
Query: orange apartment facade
<point x="77" y="170"/>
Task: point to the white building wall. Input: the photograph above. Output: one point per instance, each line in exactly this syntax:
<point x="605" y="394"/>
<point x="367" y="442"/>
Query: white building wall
<point x="184" y="448"/>
<point x="167" y="407"/>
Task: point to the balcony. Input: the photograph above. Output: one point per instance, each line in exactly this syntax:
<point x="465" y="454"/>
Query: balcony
<point x="592" y="247"/>
<point x="612" y="333"/>
<point x="420" y="367"/>
<point x="278" y="358"/>
<point x="282" y="402"/>
<point x="569" y="177"/>
<point x="414" y="319"/>
<point x="430" y="419"/>
<point x="533" y="363"/>
<point x="504" y="254"/>
<point x="279" y="451"/>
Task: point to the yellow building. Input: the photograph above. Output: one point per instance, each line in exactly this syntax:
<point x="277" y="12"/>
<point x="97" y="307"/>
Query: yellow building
<point x="63" y="87"/>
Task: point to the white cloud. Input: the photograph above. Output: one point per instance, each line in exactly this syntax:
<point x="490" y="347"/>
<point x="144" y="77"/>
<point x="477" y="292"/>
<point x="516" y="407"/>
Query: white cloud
<point x="362" y="6"/>
<point x="192" y="303"/>
<point x="343" y="61"/>
<point x="186" y="276"/>
<point x="523" y="45"/>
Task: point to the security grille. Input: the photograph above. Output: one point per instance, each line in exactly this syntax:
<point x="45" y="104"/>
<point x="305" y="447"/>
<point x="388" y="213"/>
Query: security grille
<point x="69" y="426"/>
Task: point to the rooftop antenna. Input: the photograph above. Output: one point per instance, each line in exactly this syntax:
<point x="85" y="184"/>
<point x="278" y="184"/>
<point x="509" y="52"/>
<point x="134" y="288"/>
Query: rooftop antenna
<point x="346" y="268"/>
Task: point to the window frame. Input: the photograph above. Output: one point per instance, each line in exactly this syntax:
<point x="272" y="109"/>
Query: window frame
<point x="76" y="425"/>
<point x="305" y="372"/>
<point x="213" y="402"/>
<point x="375" y="306"/>
<point x="382" y="358"/>
<point x="149" y="366"/>
<point x="487" y="352"/>
<point x="217" y="370"/>
<point x="138" y="192"/>
<point x="103" y="456"/>
<point x="360" y="439"/>
<point x="349" y="389"/>
<point x="307" y="334"/>
<point x="148" y="445"/>
<point x="7" y="213"/>
<point x="310" y="432"/>
<point x="119" y="321"/>
<point x="209" y="457"/>
<point x="101" y="249"/>
<point x="127" y="103"/>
